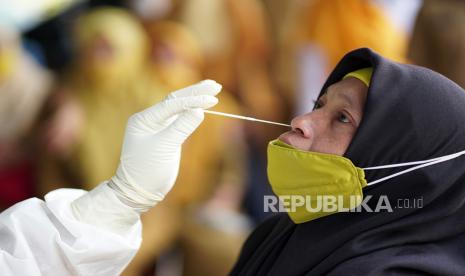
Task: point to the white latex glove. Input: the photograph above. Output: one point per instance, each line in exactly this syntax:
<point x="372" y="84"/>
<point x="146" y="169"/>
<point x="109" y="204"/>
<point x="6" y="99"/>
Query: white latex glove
<point x="149" y="160"/>
<point x="151" y="150"/>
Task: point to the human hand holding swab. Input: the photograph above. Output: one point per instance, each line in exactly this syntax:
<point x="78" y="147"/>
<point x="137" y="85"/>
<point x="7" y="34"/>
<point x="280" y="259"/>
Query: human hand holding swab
<point x="244" y="118"/>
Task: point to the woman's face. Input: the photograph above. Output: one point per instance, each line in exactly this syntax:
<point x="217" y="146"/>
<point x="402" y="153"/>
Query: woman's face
<point x="332" y="125"/>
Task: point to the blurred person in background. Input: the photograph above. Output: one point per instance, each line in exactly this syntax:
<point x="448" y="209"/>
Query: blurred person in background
<point x="282" y="21"/>
<point x="202" y="214"/>
<point x="24" y="89"/>
<point x="110" y="46"/>
<point x="323" y="31"/>
<point x="438" y="40"/>
<point x="150" y="10"/>
<point x="235" y="36"/>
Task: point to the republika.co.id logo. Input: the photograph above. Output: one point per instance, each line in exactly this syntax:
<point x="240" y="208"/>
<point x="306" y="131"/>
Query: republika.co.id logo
<point x="331" y="203"/>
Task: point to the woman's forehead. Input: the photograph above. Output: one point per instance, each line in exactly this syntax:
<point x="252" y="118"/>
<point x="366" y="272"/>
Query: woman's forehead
<point x="350" y="90"/>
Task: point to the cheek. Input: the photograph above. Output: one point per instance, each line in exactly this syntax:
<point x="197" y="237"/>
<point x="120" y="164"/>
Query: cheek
<point x="343" y="138"/>
<point x="334" y="142"/>
<point x="304" y="144"/>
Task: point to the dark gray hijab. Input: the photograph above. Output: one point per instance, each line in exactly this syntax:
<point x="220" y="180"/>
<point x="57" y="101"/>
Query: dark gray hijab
<point x="411" y="114"/>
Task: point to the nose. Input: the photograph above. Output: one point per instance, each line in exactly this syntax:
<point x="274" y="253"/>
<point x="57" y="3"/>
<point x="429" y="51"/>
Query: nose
<point x="303" y="125"/>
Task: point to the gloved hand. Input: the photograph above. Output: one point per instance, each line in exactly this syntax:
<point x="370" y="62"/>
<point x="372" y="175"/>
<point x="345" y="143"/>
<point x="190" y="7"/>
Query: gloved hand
<point x="151" y="150"/>
<point x="149" y="160"/>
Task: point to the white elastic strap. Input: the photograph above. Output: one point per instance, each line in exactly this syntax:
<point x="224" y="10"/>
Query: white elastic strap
<point x="457" y="154"/>
<point x="436" y="161"/>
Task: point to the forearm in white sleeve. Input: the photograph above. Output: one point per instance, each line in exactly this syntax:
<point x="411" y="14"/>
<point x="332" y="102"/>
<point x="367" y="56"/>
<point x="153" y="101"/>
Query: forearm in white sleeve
<point x="45" y="238"/>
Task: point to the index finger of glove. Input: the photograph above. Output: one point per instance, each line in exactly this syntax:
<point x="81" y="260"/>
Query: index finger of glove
<point x="170" y="107"/>
<point x="205" y="87"/>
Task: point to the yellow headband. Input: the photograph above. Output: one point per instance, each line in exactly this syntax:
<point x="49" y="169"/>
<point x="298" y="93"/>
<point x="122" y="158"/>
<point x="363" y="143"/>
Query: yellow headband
<point x="362" y="74"/>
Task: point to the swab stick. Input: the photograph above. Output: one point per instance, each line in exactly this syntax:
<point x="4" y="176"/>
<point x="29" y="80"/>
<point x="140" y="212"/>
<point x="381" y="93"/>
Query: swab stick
<point x="244" y="118"/>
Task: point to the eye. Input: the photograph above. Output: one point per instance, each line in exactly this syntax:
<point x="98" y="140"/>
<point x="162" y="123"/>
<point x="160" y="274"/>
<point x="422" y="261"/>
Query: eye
<point x="343" y="118"/>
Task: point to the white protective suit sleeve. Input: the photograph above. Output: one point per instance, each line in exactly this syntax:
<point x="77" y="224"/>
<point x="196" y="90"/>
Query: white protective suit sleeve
<point x="45" y="238"/>
<point x="98" y="232"/>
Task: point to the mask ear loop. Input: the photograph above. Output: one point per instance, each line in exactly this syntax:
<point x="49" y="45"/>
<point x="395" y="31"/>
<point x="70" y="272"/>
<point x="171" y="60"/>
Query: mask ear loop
<point x="424" y="163"/>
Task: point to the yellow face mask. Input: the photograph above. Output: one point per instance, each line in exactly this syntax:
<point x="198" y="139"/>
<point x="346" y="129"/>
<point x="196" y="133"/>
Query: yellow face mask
<point x="314" y="178"/>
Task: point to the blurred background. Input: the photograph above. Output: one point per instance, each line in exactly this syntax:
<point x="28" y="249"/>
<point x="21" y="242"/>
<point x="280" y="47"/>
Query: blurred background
<point x="73" y="71"/>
